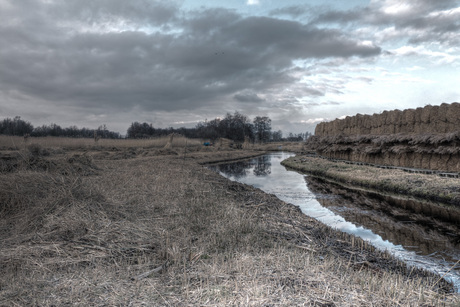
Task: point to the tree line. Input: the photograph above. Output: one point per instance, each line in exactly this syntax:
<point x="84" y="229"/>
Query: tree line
<point x="19" y="127"/>
<point x="237" y="127"/>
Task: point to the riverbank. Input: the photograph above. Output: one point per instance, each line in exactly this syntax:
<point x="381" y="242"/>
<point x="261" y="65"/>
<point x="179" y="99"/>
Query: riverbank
<point x="430" y="187"/>
<point x="154" y="227"/>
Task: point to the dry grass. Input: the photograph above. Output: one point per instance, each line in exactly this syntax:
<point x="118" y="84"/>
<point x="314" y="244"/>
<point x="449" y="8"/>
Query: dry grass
<point x="17" y="143"/>
<point x="433" y="151"/>
<point x="162" y="230"/>
<point x="277" y="146"/>
<point x="425" y="186"/>
<point x="444" y="143"/>
<point x="54" y="144"/>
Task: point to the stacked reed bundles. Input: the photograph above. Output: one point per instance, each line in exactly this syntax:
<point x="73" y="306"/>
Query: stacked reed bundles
<point x="430" y="119"/>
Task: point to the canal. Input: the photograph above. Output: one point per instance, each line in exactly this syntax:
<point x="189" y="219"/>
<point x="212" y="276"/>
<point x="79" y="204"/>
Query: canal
<point x="417" y="240"/>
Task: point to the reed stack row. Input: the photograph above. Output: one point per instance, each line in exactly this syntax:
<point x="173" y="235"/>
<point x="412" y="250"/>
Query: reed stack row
<point x="422" y="138"/>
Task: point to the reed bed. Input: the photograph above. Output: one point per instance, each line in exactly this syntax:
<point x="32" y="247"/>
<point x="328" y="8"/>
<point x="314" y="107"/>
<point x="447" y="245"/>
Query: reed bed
<point x="296" y="147"/>
<point x="17" y="143"/>
<point x="162" y="230"/>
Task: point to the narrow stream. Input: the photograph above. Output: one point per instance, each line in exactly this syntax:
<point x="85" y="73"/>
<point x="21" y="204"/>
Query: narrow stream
<point x="430" y="245"/>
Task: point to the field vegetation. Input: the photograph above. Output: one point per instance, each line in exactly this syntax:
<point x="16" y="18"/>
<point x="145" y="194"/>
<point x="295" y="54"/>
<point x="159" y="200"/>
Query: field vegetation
<point x="423" y="186"/>
<point x="63" y="143"/>
<point x="132" y="223"/>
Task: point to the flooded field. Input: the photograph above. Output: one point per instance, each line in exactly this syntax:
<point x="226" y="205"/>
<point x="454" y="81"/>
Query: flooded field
<point x="414" y="238"/>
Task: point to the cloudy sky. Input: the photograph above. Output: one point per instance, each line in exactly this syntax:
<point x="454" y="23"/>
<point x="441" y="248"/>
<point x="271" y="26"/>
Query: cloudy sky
<point x="174" y="63"/>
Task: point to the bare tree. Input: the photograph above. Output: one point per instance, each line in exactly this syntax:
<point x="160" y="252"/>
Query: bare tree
<point x="262" y="128"/>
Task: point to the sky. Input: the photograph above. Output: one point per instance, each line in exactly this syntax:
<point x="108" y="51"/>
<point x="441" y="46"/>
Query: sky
<point x="176" y="63"/>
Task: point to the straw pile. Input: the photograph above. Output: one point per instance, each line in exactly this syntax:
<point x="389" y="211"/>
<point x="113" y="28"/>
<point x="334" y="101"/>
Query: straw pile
<point x="425" y="138"/>
<point x="430" y="119"/>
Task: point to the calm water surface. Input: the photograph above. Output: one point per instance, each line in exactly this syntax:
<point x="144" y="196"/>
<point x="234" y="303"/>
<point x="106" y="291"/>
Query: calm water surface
<point x="352" y="212"/>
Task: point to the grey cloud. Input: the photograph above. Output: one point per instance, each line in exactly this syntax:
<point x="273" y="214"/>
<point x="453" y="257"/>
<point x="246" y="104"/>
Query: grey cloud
<point x="375" y="12"/>
<point x="307" y="90"/>
<point x="248" y="97"/>
<point x="293" y="40"/>
<point x="51" y="54"/>
<point x="427" y="6"/>
<point x="293" y="11"/>
<point x="208" y="22"/>
<point x="342" y="17"/>
<point x="313" y="92"/>
<point x="326" y="103"/>
<point x="153" y="12"/>
<point x="423" y="17"/>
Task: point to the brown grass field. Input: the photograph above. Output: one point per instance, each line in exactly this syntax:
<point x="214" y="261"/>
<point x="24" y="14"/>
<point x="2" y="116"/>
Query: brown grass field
<point x="128" y="223"/>
<point x="179" y="142"/>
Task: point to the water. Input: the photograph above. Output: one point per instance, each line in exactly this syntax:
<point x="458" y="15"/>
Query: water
<point x="429" y="245"/>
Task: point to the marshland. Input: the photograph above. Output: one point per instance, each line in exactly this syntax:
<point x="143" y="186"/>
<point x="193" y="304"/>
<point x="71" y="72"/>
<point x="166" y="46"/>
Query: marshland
<point x="109" y="199"/>
<point x="128" y="222"/>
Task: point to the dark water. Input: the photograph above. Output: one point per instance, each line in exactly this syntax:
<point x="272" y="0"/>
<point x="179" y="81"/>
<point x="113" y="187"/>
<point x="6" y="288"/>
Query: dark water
<point x="415" y="239"/>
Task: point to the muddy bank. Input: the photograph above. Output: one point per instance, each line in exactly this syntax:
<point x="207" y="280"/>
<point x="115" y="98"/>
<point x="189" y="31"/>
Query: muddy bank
<point x="398" y="224"/>
<point x="160" y="229"/>
<point x="358" y="213"/>
<point x="430" y="195"/>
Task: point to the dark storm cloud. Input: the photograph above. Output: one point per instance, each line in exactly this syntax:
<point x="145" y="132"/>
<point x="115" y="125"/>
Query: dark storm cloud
<point x="284" y="41"/>
<point x="146" y="54"/>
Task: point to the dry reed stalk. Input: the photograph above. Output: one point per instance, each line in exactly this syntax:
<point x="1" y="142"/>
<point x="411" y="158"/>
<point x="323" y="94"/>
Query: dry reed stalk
<point x="78" y="240"/>
<point x="430" y="119"/>
<point x="17" y="143"/>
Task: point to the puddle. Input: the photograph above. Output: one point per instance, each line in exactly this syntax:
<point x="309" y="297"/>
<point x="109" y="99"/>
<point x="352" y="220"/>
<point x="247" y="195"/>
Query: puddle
<point x="415" y="239"/>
